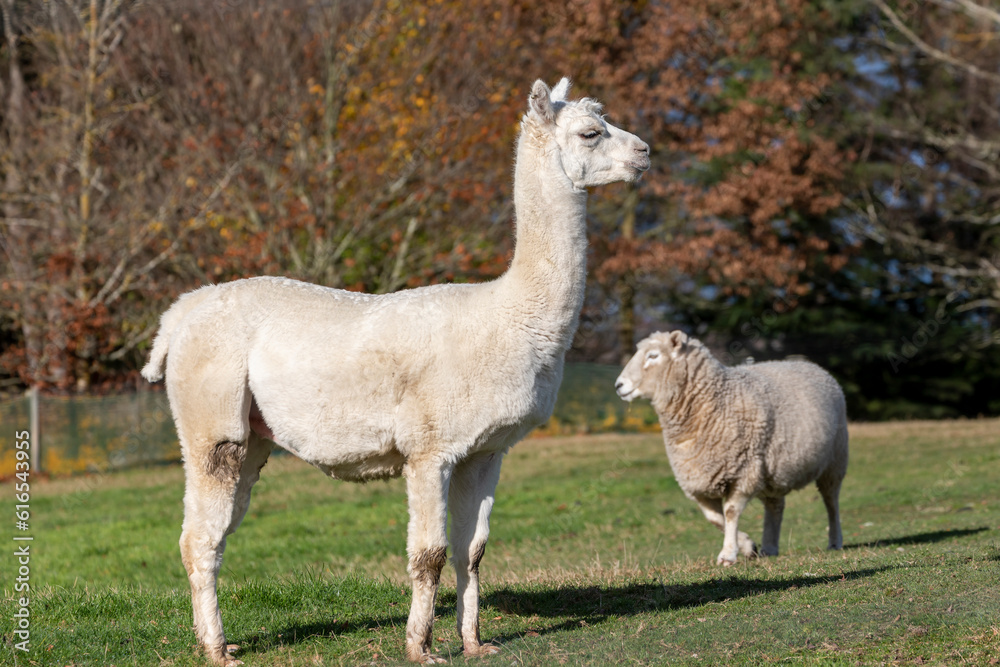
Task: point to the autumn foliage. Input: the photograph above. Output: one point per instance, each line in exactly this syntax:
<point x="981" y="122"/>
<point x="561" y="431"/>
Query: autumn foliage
<point x="152" y="148"/>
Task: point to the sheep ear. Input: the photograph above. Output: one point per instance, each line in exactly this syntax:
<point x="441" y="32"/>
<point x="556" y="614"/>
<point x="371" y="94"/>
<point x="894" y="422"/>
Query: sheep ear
<point x="677" y="343"/>
<point x="561" y="92"/>
<point x="540" y="102"/>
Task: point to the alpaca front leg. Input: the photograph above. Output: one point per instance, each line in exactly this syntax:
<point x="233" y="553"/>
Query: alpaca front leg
<point x="732" y="508"/>
<point x="470" y="501"/>
<point x="427" y="489"/>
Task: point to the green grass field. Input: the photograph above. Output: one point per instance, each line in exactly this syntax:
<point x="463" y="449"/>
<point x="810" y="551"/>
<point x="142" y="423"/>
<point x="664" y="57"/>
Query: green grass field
<point x="595" y="557"/>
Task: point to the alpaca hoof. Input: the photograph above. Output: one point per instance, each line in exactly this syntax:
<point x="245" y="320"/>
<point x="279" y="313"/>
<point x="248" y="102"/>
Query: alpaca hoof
<point x="228" y="659"/>
<point x="423" y="657"/>
<point x="481" y="649"/>
<point x="722" y="560"/>
<point x="223" y="655"/>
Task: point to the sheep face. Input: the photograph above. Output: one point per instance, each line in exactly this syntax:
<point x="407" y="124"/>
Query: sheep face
<point x="592" y="151"/>
<point x="650" y="370"/>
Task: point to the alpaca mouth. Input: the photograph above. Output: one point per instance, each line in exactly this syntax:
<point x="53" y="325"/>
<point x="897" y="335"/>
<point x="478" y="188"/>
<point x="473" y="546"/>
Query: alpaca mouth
<point x="639" y="165"/>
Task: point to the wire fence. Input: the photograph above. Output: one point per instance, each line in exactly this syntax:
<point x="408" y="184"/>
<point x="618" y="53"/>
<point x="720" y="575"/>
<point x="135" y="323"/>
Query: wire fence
<point x="91" y="433"/>
<point x="104" y="433"/>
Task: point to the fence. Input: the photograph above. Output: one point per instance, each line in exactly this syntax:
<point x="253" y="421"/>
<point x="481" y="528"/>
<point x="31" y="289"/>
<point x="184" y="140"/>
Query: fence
<point x="85" y="433"/>
<point x="81" y="434"/>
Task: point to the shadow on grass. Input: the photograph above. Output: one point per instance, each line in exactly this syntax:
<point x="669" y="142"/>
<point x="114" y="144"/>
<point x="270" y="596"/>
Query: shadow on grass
<point x="919" y="538"/>
<point x="590" y="605"/>
<point x="583" y="605"/>
<point x="299" y="632"/>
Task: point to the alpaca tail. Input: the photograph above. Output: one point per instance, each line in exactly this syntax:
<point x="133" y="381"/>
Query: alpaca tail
<point x="171" y="320"/>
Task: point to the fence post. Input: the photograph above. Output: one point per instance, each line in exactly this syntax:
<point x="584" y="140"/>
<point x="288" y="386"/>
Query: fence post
<point x="34" y="425"/>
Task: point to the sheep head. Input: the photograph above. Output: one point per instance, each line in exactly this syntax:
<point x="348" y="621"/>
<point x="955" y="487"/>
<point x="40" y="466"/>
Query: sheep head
<point x="658" y="358"/>
<point x="592" y="151"/>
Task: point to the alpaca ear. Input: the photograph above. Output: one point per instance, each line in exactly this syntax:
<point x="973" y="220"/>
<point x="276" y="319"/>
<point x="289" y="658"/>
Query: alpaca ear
<point x="561" y="91"/>
<point x="677" y="343"/>
<point x="540" y="102"/>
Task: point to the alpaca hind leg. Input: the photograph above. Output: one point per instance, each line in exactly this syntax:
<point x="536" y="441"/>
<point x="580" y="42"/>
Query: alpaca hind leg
<point x="470" y="501"/>
<point x="774" y="509"/>
<point x="427" y="483"/>
<point x="712" y="509"/>
<point x="216" y="498"/>
<point x="829" y="489"/>
<point x="732" y="508"/>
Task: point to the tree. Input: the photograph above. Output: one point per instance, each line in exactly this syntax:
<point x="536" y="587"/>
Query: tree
<point x="928" y="190"/>
<point x="159" y="147"/>
<point x="62" y="284"/>
<point x="824" y="173"/>
<point x="744" y="185"/>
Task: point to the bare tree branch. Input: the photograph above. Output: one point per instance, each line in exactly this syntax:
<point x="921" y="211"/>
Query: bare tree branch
<point x="930" y="50"/>
<point x="971" y="9"/>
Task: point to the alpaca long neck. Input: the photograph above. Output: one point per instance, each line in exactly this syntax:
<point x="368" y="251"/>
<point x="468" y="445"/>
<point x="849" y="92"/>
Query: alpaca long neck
<point x="548" y="273"/>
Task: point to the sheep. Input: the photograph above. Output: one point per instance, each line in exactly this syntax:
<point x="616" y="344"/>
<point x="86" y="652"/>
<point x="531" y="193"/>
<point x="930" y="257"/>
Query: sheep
<point x="435" y="383"/>
<point x="733" y="433"/>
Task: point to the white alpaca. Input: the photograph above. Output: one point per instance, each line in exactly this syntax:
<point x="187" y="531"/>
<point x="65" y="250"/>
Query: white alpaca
<point x="436" y="383"/>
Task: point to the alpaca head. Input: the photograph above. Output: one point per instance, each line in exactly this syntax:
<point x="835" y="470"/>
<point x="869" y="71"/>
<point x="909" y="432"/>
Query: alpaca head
<point x="592" y="151"/>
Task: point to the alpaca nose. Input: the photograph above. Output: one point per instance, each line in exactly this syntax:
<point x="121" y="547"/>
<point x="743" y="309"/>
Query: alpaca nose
<point x="618" y="385"/>
<point x="641" y="159"/>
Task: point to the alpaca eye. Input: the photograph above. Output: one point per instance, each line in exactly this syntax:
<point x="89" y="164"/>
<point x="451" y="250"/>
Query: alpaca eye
<point x="589" y="135"/>
<point x="653" y="354"/>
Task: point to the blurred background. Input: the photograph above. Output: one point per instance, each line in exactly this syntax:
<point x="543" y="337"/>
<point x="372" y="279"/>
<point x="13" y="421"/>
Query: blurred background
<point x="825" y="182"/>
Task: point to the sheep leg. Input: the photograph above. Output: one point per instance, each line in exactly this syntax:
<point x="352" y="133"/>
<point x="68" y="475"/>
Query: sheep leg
<point x="712" y="509"/>
<point x="732" y="508"/>
<point x="219" y="478"/>
<point x="470" y="501"/>
<point x="427" y="483"/>
<point x="829" y="489"/>
<point x="774" y="509"/>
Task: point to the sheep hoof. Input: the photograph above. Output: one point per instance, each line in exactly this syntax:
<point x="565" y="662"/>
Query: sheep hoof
<point x="481" y="649"/>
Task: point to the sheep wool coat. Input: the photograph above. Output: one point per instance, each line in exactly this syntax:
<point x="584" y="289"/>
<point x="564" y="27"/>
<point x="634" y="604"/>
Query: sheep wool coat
<point x="762" y="429"/>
